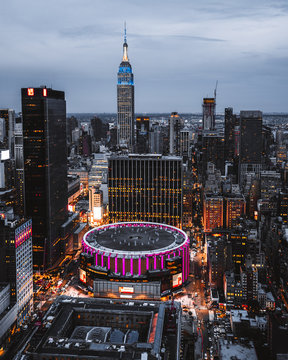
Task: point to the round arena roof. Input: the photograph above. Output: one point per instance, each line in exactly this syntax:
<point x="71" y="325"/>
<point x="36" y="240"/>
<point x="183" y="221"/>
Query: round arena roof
<point x="135" y="238"/>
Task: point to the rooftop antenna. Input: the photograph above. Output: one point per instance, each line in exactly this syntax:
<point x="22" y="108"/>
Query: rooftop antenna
<point x="215" y="90"/>
<point x="125" y="32"/>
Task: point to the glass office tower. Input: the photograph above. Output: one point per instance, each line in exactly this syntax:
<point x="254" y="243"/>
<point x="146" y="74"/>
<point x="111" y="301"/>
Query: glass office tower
<point x="45" y="168"/>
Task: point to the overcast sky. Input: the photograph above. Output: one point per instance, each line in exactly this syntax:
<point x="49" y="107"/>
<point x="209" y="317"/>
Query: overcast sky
<point x="178" y="49"/>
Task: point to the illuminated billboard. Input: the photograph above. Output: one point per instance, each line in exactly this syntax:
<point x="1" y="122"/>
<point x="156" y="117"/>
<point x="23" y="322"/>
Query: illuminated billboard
<point x="177" y="280"/>
<point x="82" y="275"/>
<point x="97" y="212"/>
<point x="126" y="290"/>
<point x="5" y="154"/>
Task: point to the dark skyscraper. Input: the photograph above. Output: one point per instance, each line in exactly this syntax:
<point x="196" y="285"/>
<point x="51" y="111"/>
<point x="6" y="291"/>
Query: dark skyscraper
<point x="125" y="102"/>
<point x="250" y="142"/>
<point x="97" y="127"/>
<point x="231" y="121"/>
<point x="250" y="137"/>
<point x="213" y="150"/>
<point x="45" y="166"/>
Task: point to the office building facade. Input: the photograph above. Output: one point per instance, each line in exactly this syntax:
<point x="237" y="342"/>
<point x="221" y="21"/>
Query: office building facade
<point x="145" y="188"/>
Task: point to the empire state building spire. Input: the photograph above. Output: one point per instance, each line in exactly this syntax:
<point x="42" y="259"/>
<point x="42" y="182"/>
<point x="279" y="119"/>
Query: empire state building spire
<point x="125" y="46"/>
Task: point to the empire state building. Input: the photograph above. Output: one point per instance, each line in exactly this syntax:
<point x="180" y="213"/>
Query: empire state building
<point x="125" y="102"/>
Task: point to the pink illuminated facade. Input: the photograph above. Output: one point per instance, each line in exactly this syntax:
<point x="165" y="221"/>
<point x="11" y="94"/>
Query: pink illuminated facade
<point x="135" y="250"/>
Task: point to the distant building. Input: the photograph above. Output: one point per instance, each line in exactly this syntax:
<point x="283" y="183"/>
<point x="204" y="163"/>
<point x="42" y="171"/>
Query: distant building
<point x="159" y="139"/>
<point x="231" y="121"/>
<point x="270" y="184"/>
<point x="7" y="137"/>
<point x="98" y="128"/>
<point x="71" y="124"/>
<point x="142" y="134"/>
<point x="213" y="212"/>
<point x="185" y="151"/>
<point x="250" y="142"/>
<point x="216" y="258"/>
<point x="85" y="144"/>
<point x="239" y="247"/>
<point x="96" y="203"/>
<point x="145" y="188"/>
<point x="209" y="109"/>
<point x="213" y="150"/>
<point x="175" y="126"/>
<point x="232" y="288"/>
<point x="249" y="280"/>
<point x="235" y="207"/>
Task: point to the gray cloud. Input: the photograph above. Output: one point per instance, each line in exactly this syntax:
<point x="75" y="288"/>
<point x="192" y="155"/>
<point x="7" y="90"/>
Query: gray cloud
<point x="177" y="50"/>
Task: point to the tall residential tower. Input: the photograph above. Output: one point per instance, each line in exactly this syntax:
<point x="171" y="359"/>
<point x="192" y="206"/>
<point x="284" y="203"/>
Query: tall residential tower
<point x="125" y="102"/>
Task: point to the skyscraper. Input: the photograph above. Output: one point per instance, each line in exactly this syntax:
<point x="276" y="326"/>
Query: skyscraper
<point x="213" y="150"/>
<point x="209" y="107"/>
<point x="250" y="142"/>
<point x="45" y="167"/>
<point x="231" y="121"/>
<point x="125" y="101"/>
<point x="250" y="137"/>
<point x="145" y="188"/>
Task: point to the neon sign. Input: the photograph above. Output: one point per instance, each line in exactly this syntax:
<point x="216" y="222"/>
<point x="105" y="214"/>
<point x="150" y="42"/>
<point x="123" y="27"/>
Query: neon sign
<point x="126" y="290"/>
<point x="30" y="92"/>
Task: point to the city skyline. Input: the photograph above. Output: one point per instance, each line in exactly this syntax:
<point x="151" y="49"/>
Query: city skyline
<point x="178" y="53"/>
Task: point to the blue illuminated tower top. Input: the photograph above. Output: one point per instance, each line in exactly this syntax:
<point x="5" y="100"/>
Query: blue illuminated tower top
<point x="125" y="75"/>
